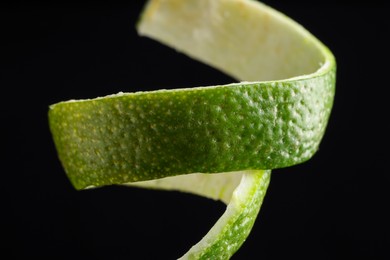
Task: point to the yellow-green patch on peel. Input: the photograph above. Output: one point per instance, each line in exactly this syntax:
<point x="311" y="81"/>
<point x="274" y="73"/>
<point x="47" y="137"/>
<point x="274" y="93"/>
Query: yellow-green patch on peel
<point x="219" y="141"/>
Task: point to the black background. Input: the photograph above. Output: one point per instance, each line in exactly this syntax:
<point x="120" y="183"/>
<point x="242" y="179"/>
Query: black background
<point x="333" y="206"/>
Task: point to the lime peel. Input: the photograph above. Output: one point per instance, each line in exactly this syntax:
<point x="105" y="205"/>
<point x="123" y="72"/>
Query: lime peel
<point x="231" y="230"/>
<point x="275" y="117"/>
<point x="243" y="192"/>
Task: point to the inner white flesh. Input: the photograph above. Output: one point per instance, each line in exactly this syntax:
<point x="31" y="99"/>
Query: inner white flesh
<point x="214" y="186"/>
<point x="245" y="39"/>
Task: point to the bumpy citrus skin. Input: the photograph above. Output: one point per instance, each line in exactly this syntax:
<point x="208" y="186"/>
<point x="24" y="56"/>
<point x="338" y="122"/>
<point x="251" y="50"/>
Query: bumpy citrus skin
<point x="148" y="135"/>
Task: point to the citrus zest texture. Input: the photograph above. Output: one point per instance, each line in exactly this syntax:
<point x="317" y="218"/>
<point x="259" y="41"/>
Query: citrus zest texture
<point x="179" y="139"/>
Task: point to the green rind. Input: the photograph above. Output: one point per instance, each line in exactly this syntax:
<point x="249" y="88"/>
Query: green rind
<point x="141" y="136"/>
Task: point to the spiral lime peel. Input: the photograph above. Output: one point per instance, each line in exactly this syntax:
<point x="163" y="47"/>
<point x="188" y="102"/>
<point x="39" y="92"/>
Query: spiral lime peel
<point x="221" y="141"/>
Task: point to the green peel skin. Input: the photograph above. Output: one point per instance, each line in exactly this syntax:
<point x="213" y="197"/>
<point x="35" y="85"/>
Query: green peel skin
<point x="221" y="141"/>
